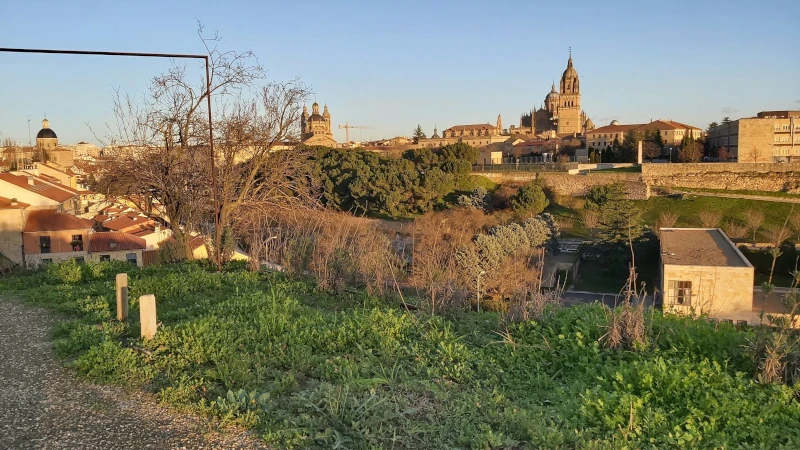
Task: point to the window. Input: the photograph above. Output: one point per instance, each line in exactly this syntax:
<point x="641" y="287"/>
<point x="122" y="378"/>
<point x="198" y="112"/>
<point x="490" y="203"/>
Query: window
<point x="77" y="243"/>
<point x="131" y="258"/>
<point x="44" y="244"/>
<point x="680" y="292"/>
<point x="47" y="261"/>
<point x="105" y="257"/>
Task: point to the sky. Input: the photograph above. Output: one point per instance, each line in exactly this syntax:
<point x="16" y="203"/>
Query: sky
<point x="391" y="65"/>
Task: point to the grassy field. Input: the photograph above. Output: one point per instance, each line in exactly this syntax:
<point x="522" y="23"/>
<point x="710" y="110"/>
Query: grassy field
<point x="306" y="369"/>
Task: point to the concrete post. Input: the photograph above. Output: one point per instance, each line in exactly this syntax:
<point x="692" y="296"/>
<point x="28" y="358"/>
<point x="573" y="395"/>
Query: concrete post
<point x="122" y="296"/>
<point x="639" y="159"/>
<point x="147" y="314"/>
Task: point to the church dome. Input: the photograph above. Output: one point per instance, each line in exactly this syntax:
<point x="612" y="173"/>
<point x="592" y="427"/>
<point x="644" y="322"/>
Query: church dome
<point x="614" y="123"/>
<point x="46" y="132"/>
<point x="552" y="96"/>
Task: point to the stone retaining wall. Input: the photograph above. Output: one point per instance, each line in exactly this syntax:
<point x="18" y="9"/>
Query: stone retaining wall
<point x="726" y="176"/>
<point x="575" y="185"/>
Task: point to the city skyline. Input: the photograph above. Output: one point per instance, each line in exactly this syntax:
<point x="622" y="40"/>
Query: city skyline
<point x="444" y="64"/>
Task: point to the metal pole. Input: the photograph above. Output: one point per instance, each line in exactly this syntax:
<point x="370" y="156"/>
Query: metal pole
<point x="152" y="55"/>
<point x="217" y="231"/>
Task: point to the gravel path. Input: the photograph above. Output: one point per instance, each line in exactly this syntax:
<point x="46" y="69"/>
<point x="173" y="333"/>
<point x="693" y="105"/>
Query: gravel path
<point x="43" y="405"/>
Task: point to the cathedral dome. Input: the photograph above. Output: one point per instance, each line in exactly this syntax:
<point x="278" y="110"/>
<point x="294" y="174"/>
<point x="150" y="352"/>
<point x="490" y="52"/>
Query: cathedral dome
<point x="614" y="123"/>
<point x="569" y="72"/>
<point x="46" y="132"/>
<point x="552" y="96"/>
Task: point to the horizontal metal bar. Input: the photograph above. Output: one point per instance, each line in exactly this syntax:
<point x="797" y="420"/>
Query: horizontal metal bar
<point x="100" y="53"/>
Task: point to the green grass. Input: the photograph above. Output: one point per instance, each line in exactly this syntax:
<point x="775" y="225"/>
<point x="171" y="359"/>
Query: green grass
<point x="306" y="369"/>
<point x="743" y="192"/>
<point x="474" y="181"/>
<point x="731" y="208"/>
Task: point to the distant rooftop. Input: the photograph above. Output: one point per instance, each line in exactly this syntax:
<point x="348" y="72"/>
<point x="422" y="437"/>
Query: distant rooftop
<point x="699" y="247"/>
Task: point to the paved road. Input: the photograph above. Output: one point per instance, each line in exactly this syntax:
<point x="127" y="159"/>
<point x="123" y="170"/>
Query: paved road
<point x="43" y="405"/>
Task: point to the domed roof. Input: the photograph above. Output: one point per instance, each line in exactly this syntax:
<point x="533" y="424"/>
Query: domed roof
<point x="553" y="95"/>
<point x="46" y="132"/>
<point x="614" y="123"/>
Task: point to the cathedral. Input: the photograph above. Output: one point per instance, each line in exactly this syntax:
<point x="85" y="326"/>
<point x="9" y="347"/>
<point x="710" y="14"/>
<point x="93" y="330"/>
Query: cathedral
<point x="316" y="128"/>
<point x="561" y="113"/>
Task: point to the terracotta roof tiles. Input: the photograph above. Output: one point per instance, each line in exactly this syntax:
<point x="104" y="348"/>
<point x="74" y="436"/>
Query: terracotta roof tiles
<point x="38" y="186"/>
<point x="8" y="203"/>
<point x="50" y="220"/>
<point x="111" y="241"/>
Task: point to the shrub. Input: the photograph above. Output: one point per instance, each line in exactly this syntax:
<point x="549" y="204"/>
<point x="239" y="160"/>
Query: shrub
<point x="478" y="199"/>
<point x="735" y="230"/>
<point x="709" y="218"/>
<point x="68" y="272"/>
<point x="597" y="196"/>
<point x="529" y="200"/>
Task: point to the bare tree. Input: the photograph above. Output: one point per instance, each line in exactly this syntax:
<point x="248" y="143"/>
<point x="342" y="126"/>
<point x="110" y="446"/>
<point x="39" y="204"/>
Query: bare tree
<point x="709" y="218"/>
<point x="666" y="219"/>
<point x="165" y="160"/>
<point x="735" y="230"/>
<point x="754" y="218"/>
<point x="590" y="219"/>
<point x="692" y="152"/>
<point x="794" y="219"/>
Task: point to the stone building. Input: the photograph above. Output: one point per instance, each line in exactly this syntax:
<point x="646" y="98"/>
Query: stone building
<point x="672" y="133"/>
<point x="477" y="135"/>
<point x="561" y="112"/>
<point x="316" y="128"/>
<point x="702" y="272"/>
<point x="771" y="136"/>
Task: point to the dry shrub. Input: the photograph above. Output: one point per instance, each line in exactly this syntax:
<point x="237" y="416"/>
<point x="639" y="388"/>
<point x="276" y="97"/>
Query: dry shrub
<point x="754" y="218"/>
<point x="735" y="230"/>
<point x="627" y="324"/>
<point x="339" y="250"/>
<point x="565" y="223"/>
<point x="776" y="235"/>
<point x="709" y="218"/>
<point x="435" y="237"/>
<point x="666" y="219"/>
<point x="574" y="203"/>
<point x="529" y="301"/>
<point x="501" y="197"/>
<point x="590" y="219"/>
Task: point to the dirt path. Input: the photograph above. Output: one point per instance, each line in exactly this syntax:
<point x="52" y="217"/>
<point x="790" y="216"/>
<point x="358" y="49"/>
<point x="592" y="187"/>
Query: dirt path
<point x="44" y="406"/>
<point x="763" y="198"/>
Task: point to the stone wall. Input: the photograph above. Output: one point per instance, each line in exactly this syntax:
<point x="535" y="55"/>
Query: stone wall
<point x="563" y="183"/>
<point x="725" y="176"/>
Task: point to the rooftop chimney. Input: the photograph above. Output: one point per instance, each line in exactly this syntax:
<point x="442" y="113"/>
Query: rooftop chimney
<point x="14" y="202"/>
<point x="30" y="180"/>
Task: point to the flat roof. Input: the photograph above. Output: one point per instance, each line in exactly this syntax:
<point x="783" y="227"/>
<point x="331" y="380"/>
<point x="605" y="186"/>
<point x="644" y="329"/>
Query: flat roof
<point x="700" y="247"/>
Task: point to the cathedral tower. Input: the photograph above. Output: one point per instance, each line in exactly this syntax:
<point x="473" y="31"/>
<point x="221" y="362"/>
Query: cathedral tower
<point x="569" y="101"/>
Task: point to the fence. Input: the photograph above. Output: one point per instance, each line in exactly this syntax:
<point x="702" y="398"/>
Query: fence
<point x="524" y="167"/>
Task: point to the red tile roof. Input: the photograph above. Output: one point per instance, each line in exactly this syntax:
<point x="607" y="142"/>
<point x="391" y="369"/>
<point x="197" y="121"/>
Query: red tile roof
<point x="111" y="241"/>
<point x="613" y="129"/>
<point x="51" y="220"/>
<point x="6" y="203"/>
<point x="126" y="221"/>
<point x="38" y="187"/>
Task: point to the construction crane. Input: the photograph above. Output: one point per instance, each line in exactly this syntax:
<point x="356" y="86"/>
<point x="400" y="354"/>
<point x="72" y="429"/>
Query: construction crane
<point x="347" y="128"/>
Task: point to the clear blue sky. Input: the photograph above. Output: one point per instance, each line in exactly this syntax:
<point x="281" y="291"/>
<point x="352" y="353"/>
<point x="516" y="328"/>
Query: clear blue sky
<point x="394" y="64"/>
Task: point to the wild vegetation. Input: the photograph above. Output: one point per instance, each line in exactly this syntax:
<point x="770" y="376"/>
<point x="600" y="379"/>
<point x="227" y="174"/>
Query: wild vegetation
<point x="308" y="368"/>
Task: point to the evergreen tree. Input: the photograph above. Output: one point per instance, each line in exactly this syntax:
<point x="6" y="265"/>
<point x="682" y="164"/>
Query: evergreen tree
<point x="418" y="134"/>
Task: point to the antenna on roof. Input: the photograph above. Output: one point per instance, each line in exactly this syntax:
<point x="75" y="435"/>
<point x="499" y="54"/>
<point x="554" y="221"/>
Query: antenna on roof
<point x="29" y="131"/>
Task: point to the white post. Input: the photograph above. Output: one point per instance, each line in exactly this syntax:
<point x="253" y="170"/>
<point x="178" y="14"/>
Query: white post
<point x="640" y="153"/>
<point x="147" y="313"/>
